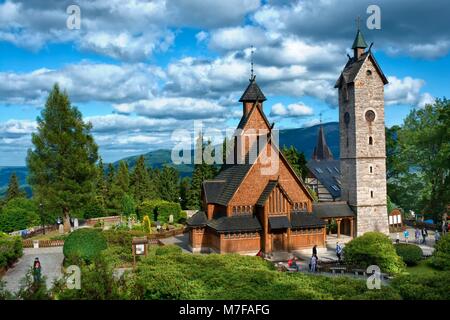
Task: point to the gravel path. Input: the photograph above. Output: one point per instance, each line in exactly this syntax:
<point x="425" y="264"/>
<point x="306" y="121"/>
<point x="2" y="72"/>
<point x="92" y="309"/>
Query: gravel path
<point x="51" y="261"/>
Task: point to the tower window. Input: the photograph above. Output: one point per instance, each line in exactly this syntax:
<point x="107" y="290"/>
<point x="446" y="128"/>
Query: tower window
<point x="369" y="72"/>
<point x="371" y="169"/>
<point x="370" y="141"/>
<point x="371" y="194"/>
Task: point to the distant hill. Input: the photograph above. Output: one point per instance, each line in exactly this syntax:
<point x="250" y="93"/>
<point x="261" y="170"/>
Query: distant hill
<point x="304" y="139"/>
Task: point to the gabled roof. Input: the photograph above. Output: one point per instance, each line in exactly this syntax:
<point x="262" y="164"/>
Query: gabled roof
<point x="233" y="176"/>
<point x="197" y="220"/>
<point x="328" y="173"/>
<point x="332" y="209"/>
<point x="271" y="185"/>
<point x="239" y="223"/>
<point x="213" y="188"/>
<point x="245" y="118"/>
<point x="353" y="66"/>
<point x="321" y="150"/>
<point x="305" y="220"/>
<point x="253" y="92"/>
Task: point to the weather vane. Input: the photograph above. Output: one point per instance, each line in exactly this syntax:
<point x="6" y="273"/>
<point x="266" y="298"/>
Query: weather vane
<point x="358" y="22"/>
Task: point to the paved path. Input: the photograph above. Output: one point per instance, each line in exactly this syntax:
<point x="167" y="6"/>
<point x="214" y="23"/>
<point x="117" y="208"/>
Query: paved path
<point x="181" y="240"/>
<point x="51" y="261"/>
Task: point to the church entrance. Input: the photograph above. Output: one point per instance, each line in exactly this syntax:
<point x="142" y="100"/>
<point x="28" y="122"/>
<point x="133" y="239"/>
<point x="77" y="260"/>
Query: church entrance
<point x="277" y="241"/>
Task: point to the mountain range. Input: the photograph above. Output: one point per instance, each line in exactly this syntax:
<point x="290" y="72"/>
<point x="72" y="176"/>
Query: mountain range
<point x="303" y="139"/>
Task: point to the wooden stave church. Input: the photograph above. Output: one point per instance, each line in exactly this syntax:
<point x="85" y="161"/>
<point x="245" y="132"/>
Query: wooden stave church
<point x="246" y="211"/>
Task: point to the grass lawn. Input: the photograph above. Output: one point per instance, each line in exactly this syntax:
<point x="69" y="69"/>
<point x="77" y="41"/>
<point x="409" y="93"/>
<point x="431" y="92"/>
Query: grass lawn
<point x="421" y="268"/>
<point x="46" y="236"/>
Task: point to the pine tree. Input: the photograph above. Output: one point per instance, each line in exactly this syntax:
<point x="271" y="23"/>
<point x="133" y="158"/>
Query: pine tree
<point x="61" y="166"/>
<point x="123" y="177"/>
<point x="296" y="159"/>
<point x="202" y="172"/>
<point x="141" y="186"/>
<point x="185" y="186"/>
<point x="13" y="188"/>
<point x="114" y="192"/>
<point x="168" y="181"/>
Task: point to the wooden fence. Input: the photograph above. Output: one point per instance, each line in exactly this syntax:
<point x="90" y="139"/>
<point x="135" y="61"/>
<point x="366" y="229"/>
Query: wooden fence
<point x="107" y="220"/>
<point x="43" y="243"/>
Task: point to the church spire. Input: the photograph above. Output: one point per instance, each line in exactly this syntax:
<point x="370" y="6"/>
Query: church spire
<point x="321" y="150"/>
<point x="359" y="44"/>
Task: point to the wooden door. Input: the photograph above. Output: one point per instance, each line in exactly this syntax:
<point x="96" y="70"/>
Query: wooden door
<point x="277" y="242"/>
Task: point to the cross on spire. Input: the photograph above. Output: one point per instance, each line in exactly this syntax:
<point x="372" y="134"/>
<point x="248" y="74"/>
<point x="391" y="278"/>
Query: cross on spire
<point x="358" y="22"/>
<point x="320" y="115"/>
<point x="251" y="62"/>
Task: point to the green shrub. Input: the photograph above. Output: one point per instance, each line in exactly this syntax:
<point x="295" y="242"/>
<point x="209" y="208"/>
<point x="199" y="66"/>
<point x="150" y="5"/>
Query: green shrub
<point x="373" y="248"/>
<point x="18" y="214"/>
<point x="10" y="249"/>
<point x="434" y="286"/>
<point x="410" y="253"/>
<point x="167" y="273"/>
<point x="160" y="210"/>
<point x="441" y="255"/>
<point x="182" y="218"/>
<point x="84" y="244"/>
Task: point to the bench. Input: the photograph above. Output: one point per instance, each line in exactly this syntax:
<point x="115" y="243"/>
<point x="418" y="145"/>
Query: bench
<point x="359" y="271"/>
<point x="341" y="269"/>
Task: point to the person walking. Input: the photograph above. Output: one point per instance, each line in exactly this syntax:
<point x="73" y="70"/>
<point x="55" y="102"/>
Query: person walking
<point x="424" y="235"/>
<point x="314" y="250"/>
<point x="406" y="235"/>
<point x="37" y="270"/>
<point x="397" y="240"/>
<point x="338" y="251"/>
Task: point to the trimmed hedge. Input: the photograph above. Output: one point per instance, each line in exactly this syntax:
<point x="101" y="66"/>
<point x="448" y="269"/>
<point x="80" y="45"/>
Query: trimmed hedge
<point x="85" y="244"/>
<point x="441" y="255"/>
<point x="10" y="249"/>
<point x="234" y="277"/>
<point x="160" y="210"/>
<point x="410" y="253"/>
<point x="434" y="286"/>
<point x="373" y="248"/>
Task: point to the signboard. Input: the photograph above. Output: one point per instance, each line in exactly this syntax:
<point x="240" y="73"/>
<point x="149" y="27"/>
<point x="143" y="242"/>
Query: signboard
<point x="140" y="249"/>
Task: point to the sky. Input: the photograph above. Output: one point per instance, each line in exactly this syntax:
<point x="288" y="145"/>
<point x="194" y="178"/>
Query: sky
<point x="140" y="70"/>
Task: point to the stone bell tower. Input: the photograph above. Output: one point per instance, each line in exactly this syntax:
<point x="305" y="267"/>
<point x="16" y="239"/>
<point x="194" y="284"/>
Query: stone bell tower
<point x="362" y="138"/>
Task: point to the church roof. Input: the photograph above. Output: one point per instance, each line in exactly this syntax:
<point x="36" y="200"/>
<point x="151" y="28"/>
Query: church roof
<point x="233" y="176"/>
<point x="253" y="92"/>
<point x="321" y="150"/>
<point x="197" y="220"/>
<point x="353" y="66"/>
<point x="332" y="209"/>
<point x="239" y="223"/>
<point x="359" y="41"/>
<point x="280" y="222"/>
<point x="328" y="173"/>
<point x="305" y="220"/>
<point x="213" y="188"/>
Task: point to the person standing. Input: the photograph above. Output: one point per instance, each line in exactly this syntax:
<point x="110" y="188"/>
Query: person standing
<point x="338" y="251"/>
<point x="314" y="250"/>
<point x="424" y="235"/>
<point x="417" y="235"/>
<point x="437" y="237"/>
<point x="37" y="270"/>
<point x="313" y="263"/>
<point x="406" y="235"/>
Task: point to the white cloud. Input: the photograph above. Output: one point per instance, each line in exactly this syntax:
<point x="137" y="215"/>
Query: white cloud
<point x="425" y="99"/>
<point x="404" y="91"/>
<point x="291" y="110"/>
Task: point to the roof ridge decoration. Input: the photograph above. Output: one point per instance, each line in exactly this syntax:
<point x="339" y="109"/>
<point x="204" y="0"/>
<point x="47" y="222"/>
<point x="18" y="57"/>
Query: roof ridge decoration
<point x="321" y="150"/>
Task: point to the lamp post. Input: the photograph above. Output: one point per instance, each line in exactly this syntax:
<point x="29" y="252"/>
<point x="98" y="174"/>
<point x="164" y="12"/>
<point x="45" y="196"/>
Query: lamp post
<point x="41" y="213"/>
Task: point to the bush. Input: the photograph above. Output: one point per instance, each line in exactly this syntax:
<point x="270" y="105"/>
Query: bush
<point x="84" y="244"/>
<point x="160" y="210"/>
<point x="410" y="253"/>
<point x="18" y="214"/>
<point x="434" y="286"/>
<point x="147" y="224"/>
<point x="441" y="255"/>
<point x="10" y="250"/>
<point x="182" y="218"/>
<point x="373" y="248"/>
<point x="235" y="277"/>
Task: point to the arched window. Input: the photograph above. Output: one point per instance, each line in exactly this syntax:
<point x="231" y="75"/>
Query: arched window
<point x="370" y="140"/>
<point x="371" y="194"/>
<point x="371" y="169"/>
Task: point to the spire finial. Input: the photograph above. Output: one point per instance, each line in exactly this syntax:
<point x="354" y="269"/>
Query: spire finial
<point x="358" y="22"/>
<point x="320" y="117"/>
<point x="251" y="71"/>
